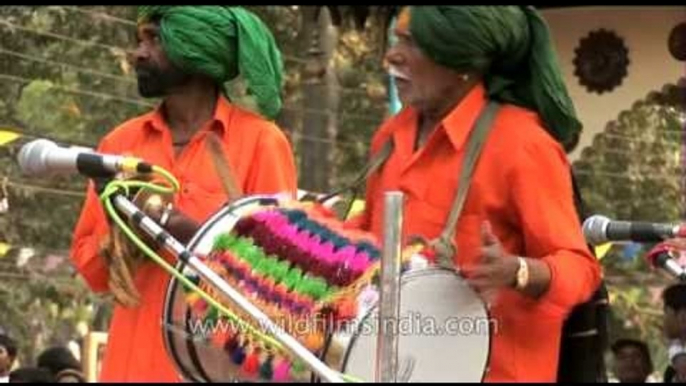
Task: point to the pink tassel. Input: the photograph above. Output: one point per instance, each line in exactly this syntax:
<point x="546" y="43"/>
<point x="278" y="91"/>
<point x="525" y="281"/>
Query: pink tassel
<point x="359" y="264"/>
<point x="282" y="372"/>
<point x="327" y="249"/>
<point x="345" y="254"/>
<point x="276" y="221"/>
<point x="262" y="216"/>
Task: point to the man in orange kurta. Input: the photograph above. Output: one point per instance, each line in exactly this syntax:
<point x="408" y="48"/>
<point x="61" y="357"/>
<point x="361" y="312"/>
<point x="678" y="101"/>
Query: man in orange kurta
<point x="519" y="216"/>
<point x="173" y="137"/>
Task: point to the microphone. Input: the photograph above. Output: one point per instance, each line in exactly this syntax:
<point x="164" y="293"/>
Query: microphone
<point x="600" y="229"/>
<point x="43" y="157"/>
<point x="659" y="257"/>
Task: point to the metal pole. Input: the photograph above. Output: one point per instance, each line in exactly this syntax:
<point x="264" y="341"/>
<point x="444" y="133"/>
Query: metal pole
<point x="169" y="243"/>
<point x="389" y="297"/>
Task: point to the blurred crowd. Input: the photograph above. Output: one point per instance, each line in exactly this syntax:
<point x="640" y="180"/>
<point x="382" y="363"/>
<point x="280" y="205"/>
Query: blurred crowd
<point x="54" y="365"/>
<point x="632" y="362"/>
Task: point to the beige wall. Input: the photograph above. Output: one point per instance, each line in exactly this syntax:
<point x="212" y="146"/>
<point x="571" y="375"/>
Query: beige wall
<point x="645" y="31"/>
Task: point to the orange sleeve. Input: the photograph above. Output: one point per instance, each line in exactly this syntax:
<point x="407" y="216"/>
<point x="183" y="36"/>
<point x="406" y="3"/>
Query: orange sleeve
<point x="551" y="226"/>
<point x="273" y="169"/>
<point x="90" y="230"/>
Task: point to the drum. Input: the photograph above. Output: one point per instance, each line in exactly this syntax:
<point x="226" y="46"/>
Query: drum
<point x="318" y="281"/>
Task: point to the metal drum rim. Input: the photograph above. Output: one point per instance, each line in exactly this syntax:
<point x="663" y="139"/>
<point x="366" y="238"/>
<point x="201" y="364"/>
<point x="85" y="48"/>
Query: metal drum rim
<point x="405" y="278"/>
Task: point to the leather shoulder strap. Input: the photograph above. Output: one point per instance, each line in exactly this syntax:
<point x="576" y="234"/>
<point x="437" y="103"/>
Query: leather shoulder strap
<point x="377" y="160"/>
<point x="222" y="167"/>
<point x="444" y="245"/>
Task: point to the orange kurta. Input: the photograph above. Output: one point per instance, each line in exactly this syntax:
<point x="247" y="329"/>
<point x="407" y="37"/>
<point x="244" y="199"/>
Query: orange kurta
<point x="262" y="162"/>
<point x="521" y="185"/>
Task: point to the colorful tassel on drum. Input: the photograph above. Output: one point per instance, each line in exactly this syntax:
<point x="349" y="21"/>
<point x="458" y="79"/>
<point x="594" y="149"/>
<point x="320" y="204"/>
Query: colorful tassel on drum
<point x="313" y="341"/>
<point x="252" y="363"/>
<point x="192" y="298"/>
<point x="200" y="306"/>
<point x="282" y="372"/>
<point x="224" y="242"/>
<point x="212" y="315"/>
<point x="346" y="309"/>
<point x="231" y="345"/>
<point x="297" y="369"/>
<point x="238" y="355"/>
<point x="245" y="225"/>
<point x="266" y="368"/>
<point x="292" y="264"/>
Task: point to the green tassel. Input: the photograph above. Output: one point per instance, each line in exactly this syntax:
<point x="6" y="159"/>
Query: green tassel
<point x="298" y="367"/>
<point x="304" y="287"/>
<point x="212" y="314"/>
<point x="261" y="266"/>
<point x="292" y="278"/>
<point x="280" y="270"/>
<point x="319" y="288"/>
<point x="266" y="370"/>
<point x="272" y="266"/>
<point x="224" y="242"/>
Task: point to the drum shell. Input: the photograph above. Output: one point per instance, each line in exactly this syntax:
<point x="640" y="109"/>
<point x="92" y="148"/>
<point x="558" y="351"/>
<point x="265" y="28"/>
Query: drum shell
<point x="444" y="333"/>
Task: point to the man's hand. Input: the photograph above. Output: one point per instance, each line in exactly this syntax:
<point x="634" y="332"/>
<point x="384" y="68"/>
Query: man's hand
<point x="495" y="270"/>
<point x="182" y="227"/>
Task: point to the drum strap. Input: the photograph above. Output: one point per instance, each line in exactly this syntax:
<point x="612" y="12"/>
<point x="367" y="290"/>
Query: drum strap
<point x="377" y="160"/>
<point x="222" y="167"/>
<point x="443" y="244"/>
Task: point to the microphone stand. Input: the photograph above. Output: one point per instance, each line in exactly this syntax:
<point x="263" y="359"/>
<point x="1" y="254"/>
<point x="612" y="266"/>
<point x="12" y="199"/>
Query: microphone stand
<point x="173" y="246"/>
<point x="387" y="343"/>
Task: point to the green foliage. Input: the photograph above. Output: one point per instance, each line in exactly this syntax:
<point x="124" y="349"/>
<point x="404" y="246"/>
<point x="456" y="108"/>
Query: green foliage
<point x="634" y="171"/>
<point x="60" y="80"/>
<point x="40" y="96"/>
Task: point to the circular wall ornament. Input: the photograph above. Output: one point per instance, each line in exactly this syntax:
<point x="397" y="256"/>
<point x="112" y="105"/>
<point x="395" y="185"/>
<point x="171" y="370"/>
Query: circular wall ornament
<point x="601" y="61"/>
<point x="677" y="42"/>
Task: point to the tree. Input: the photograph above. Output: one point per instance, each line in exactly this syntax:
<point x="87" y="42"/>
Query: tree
<point x="634" y="171"/>
<point x="59" y="80"/>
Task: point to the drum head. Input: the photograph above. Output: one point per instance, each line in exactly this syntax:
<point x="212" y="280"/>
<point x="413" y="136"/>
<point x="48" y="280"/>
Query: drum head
<point x="444" y="332"/>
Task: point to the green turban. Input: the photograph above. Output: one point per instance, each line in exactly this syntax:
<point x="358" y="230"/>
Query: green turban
<point x="511" y="47"/>
<point x="222" y="42"/>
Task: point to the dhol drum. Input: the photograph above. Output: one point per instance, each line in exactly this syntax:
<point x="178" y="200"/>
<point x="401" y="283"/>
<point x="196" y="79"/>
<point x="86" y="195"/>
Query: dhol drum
<point x="317" y="281"/>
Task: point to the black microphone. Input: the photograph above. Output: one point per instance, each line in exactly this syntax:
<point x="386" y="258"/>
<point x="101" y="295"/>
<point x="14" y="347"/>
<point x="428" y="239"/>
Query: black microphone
<point x="43" y="157"/>
<point x="600" y="229"/>
<point x="660" y="257"/>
